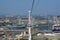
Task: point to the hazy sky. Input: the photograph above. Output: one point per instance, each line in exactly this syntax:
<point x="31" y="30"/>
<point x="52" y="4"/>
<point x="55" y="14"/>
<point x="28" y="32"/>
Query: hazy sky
<point x="21" y="7"/>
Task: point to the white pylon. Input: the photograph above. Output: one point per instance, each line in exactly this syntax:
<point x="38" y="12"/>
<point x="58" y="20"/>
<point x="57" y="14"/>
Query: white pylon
<point x="29" y="28"/>
<point x="29" y="17"/>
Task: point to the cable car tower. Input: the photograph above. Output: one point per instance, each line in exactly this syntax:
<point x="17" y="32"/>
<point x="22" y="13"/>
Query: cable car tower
<point x="29" y="26"/>
<point x="29" y="22"/>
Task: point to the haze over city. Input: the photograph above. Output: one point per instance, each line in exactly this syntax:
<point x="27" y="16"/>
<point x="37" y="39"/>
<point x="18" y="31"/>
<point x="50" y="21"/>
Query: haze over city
<point x="29" y="19"/>
<point x="21" y="7"/>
